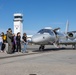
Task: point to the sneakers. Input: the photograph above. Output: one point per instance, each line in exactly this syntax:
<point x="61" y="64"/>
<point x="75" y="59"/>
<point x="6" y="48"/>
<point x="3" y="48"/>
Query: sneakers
<point x="24" y="51"/>
<point x="1" y="51"/>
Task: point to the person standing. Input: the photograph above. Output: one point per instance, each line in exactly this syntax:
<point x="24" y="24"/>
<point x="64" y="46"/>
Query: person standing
<point x="18" y="42"/>
<point x="13" y="42"/>
<point x="6" y="48"/>
<point x="4" y="41"/>
<point x="1" y="41"/>
<point x="9" y="41"/>
<point x="24" y="42"/>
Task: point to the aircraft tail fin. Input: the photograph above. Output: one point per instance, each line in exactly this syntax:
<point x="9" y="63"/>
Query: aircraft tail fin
<point x="67" y="26"/>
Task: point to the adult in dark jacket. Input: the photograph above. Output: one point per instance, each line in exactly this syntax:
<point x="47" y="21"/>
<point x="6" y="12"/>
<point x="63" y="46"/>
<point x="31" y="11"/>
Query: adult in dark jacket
<point x="13" y="42"/>
<point x="9" y="38"/>
<point x="18" y="42"/>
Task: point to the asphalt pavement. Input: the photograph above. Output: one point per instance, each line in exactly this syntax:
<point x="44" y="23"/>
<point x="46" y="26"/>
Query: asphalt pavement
<point x="51" y="61"/>
<point x="33" y="49"/>
<point x="30" y="50"/>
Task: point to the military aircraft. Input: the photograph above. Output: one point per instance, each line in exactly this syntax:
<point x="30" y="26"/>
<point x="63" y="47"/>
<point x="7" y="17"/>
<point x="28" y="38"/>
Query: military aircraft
<point x="49" y="36"/>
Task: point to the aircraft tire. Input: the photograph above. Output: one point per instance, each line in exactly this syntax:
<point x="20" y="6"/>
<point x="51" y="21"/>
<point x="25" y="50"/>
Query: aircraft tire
<point x="41" y="48"/>
<point x="74" y="46"/>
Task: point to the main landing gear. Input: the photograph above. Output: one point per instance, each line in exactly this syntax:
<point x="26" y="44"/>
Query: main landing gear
<point x="74" y="46"/>
<point x="41" y="48"/>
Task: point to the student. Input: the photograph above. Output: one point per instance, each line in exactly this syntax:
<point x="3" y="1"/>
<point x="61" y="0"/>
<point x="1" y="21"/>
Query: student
<point x="13" y="42"/>
<point x="18" y="42"/>
<point x="1" y="41"/>
<point x="4" y="41"/>
<point x="24" y="42"/>
<point x="9" y="38"/>
<point x="6" y="48"/>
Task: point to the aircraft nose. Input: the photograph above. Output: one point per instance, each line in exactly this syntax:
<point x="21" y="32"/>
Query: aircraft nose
<point x="36" y="38"/>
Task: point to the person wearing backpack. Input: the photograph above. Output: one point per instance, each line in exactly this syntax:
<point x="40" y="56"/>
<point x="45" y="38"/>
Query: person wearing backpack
<point x="6" y="43"/>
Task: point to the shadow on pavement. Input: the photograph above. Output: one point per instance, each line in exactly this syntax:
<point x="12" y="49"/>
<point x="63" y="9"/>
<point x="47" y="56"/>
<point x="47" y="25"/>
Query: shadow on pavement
<point x="53" y="49"/>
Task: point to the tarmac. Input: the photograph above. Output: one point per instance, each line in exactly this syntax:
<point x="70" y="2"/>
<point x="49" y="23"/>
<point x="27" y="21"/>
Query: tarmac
<point x="51" y="61"/>
<point x="5" y="55"/>
<point x="31" y="49"/>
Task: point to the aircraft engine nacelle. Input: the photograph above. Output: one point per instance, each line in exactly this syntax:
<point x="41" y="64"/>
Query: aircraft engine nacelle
<point x="71" y="36"/>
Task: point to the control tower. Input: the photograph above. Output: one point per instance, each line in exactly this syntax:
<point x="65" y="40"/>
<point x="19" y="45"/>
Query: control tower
<point x="18" y="23"/>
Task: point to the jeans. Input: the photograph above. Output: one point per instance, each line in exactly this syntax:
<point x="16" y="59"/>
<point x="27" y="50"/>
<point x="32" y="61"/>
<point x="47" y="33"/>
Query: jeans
<point x="24" y="47"/>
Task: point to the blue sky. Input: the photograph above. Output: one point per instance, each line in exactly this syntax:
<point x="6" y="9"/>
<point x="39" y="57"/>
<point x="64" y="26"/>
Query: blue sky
<point x="38" y="14"/>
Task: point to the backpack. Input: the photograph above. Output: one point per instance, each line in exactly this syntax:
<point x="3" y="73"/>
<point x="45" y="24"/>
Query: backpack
<point x="5" y="37"/>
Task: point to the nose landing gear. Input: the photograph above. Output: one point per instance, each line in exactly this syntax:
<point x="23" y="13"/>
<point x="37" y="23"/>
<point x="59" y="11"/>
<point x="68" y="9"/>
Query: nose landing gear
<point x="41" y="48"/>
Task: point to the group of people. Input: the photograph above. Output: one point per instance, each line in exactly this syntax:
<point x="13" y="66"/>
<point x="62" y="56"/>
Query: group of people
<point x="13" y="42"/>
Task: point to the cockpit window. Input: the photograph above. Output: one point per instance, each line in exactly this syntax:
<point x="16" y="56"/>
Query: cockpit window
<point x="42" y="31"/>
